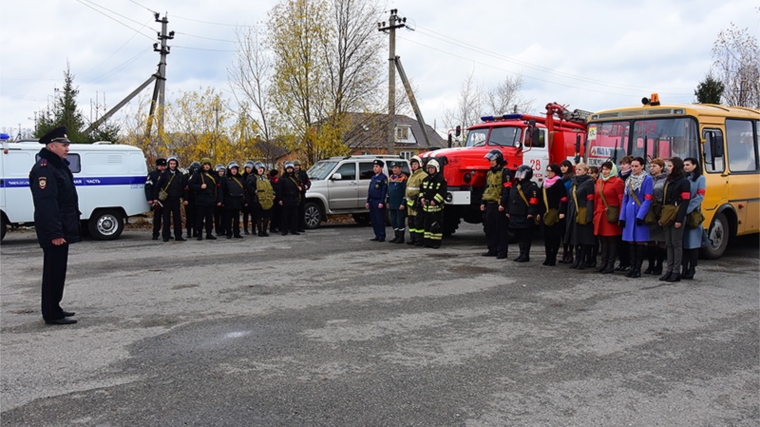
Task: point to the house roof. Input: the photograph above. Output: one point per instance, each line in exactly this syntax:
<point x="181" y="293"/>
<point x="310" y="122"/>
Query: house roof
<point x="368" y="130"/>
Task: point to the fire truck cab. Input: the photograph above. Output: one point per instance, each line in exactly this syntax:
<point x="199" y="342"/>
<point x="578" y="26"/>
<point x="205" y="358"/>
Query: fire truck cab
<point x="524" y="139"/>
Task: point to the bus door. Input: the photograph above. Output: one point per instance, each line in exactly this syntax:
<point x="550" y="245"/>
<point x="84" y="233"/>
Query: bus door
<point x="742" y="174"/>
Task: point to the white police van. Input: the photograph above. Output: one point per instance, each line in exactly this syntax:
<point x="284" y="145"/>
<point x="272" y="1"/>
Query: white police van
<point x="110" y="181"/>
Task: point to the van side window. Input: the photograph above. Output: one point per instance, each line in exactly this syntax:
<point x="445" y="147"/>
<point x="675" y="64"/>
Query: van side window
<point x="365" y="170"/>
<point x="75" y="162"/>
<point x="347" y="171"/>
<point x="741" y="144"/>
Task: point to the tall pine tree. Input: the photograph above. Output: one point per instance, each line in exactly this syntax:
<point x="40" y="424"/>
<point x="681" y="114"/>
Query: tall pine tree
<point x="709" y="90"/>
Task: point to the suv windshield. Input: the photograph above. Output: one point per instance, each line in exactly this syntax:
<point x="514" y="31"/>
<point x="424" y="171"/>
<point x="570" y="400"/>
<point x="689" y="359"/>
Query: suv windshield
<point x="321" y="169"/>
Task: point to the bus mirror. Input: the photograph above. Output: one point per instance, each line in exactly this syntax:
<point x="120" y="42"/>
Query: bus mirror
<point x="716" y="144"/>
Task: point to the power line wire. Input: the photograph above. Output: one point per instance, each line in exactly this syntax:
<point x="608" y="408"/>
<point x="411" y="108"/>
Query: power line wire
<point x="215" y="23"/>
<point x="201" y="48"/>
<point x="206" y="38"/>
<point x="120" y="48"/>
<point x="121" y="66"/>
<point x="112" y="18"/>
<point x="146" y="8"/>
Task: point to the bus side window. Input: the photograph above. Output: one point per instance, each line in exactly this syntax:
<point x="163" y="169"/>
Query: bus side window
<point x="741" y="146"/>
<point x="713" y="163"/>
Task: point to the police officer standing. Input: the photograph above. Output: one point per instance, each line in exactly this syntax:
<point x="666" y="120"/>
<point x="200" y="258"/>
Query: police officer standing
<point x="414" y="216"/>
<point x="219" y="210"/>
<point x="433" y="192"/>
<point x="190" y="206"/>
<point x="248" y="171"/>
<point x="378" y="192"/>
<point x="233" y="193"/>
<point x="304" y="183"/>
<point x="208" y="196"/>
<point x="288" y="197"/>
<point x="150" y="183"/>
<point x="56" y="220"/>
<point x="494" y="204"/>
<point x="169" y="189"/>
<point x="522" y="209"/>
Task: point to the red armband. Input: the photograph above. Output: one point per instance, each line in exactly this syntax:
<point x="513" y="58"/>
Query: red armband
<point x="685" y="195"/>
<point x="647" y="197"/>
<point x="533" y="201"/>
<point x="590" y="197"/>
<point x="507" y="184"/>
<point x="701" y="191"/>
<point x="563" y="200"/>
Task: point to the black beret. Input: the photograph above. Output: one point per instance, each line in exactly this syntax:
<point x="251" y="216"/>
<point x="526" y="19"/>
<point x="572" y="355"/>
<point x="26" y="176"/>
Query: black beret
<point x="378" y="162"/>
<point x="160" y="161"/>
<point x="56" y="135"/>
<point x="274" y="172"/>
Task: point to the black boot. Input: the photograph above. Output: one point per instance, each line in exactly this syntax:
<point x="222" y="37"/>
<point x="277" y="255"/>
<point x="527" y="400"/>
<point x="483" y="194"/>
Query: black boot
<point x="651" y="257"/>
<point x="637" y="261"/>
<point x="581" y="256"/>
<point x="395" y="236"/>
<point x="674" y="277"/>
<point x="522" y="251"/>
<point x="631" y="258"/>
<point x="577" y="259"/>
<point x="401" y="236"/>
<point x="611" y="254"/>
<point x="412" y="238"/>
<point x="689" y="267"/>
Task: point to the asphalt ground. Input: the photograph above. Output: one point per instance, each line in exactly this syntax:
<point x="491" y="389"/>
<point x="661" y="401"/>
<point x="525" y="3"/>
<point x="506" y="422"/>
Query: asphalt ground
<point x="329" y="329"/>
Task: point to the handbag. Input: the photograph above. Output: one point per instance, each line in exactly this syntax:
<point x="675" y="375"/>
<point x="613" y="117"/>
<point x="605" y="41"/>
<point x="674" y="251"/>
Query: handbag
<point x="669" y="212"/>
<point x="581" y="212"/>
<point x="551" y="216"/>
<point x="612" y="212"/>
<point x="163" y="194"/>
<point x="695" y="218"/>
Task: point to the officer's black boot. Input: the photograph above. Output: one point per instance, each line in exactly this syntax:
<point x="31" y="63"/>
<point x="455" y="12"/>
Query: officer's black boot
<point x="580" y="257"/>
<point x="661" y="255"/>
<point x="650" y="254"/>
<point x="395" y="236"/>
<point x="198" y="234"/>
<point x="420" y="239"/>
<point x="522" y="250"/>
<point x="412" y="238"/>
<point x="401" y="236"/>
<point x="637" y="259"/>
<point x="631" y="258"/>
<point x="611" y="255"/>
<point x="604" y="249"/>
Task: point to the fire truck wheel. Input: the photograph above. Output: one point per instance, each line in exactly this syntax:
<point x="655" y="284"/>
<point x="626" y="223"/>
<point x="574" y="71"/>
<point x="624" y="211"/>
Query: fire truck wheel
<point x="450" y="225"/>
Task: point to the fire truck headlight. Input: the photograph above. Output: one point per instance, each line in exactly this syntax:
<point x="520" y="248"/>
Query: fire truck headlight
<point x="467" y="178"/>
<point x="449" y="197"/>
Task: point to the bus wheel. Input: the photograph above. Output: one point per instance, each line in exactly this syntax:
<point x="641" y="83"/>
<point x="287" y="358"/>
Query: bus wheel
<point x="106" y="224"/>
<point x="718" y="235"/>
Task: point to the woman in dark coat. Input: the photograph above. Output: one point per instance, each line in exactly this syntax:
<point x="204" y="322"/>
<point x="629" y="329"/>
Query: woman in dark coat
<point x="656" y="251"/>
<point x="581" y="197"/>
<point x="566" y="168"/>
<point x="677" y="193"/>
<point x="552" y="196"/>
<point x="692" y="237"/>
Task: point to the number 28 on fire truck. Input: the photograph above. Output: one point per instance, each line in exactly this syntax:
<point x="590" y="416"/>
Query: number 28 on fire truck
<point x="524" y="139"/>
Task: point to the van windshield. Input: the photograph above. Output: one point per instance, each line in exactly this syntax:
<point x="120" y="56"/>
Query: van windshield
<point x="321" y="169"/>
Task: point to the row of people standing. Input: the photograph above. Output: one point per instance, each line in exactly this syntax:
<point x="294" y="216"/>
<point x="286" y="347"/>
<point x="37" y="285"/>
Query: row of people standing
<point x="215" y="199"/>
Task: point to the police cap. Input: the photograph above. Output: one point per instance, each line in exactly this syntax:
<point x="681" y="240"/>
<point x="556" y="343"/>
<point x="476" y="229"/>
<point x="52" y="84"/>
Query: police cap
<point x="56" y="135"/>
<point x="160" y="161"/>
<point x="378" y="162"/>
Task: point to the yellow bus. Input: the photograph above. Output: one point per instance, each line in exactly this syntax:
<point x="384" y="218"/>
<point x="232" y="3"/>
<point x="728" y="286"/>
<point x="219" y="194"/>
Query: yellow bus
<point x="725" y="139"/>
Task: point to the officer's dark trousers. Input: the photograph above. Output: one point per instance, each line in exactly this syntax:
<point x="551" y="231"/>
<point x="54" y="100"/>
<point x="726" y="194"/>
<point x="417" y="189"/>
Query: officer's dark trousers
<point x="377" y="218"/>
<point x="53" y="278"/>
<point x="232" y="222"/>
<point x="219" y="219"/>
<point x="171" y="208"/>
<point x="247" y="213"/>
<point x="497" y="231"/>
<point x="289" y="219"/>
<point x="204" y="213"/>
<point x="302" y="212"/>
<point x="524" y="237"/>
<point x="158" y="213"/>
<point x="190" y="218"/>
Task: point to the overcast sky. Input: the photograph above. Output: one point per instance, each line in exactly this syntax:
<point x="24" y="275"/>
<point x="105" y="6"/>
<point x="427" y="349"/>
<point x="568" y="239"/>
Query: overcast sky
<point x="590" y="54"/>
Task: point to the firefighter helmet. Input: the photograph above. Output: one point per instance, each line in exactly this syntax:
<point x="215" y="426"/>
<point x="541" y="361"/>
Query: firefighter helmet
<point x="433" y="163"/>
<point x="415" y="159"/>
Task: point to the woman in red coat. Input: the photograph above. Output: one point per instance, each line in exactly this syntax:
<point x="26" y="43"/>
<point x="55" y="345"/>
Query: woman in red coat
<point x="609" y="189"/>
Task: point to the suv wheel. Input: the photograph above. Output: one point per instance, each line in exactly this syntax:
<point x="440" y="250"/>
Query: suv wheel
<point x="312" y="215"/>
<point x="361" y="219"/>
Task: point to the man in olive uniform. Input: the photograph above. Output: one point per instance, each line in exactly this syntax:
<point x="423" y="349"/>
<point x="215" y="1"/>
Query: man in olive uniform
<point x="378" y="192"/>
<point x="413" y="215"/>
<point x="150" y="182"/>
<point x="432" y="196"/>
<point x="493" y="204"/>
<point x="56" y="220"/>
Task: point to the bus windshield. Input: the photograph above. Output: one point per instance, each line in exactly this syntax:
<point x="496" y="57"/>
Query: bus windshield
<point x="504" y="136"/>
<point x="663" y="138"/>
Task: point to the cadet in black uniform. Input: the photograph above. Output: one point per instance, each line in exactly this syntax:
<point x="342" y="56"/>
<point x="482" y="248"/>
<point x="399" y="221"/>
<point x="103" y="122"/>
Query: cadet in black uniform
<point x="494" y="205"/>
<point x="56" y="220"/>
<point x="289" y="195"/>
<point x="172" y="185"/>
<point x="248" y="170"/>
<point x="304" y="183"/>
<point x="190" y="206"/>
<point x="432" y="194"/>
<point x="150" y="183"/>
<point x="206" y="187"/>
<point x="233" y="192"/>
<point x="219" y="210"/>
<point x="522" y="209"/>
<point x="378" y="192"/>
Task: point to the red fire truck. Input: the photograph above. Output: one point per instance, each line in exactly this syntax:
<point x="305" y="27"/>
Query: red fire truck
<point x="524" y="139"/>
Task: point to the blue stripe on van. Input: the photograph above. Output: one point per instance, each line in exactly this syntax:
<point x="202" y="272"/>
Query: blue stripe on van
<point x="82" y="182"/>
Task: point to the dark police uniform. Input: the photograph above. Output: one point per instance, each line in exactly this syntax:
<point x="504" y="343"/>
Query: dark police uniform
<point x="304" y="182"/>
<point x="522" y="207"/>
<point x="289" y="195"/>
<point x="206" y="199"/>
<point x="56" y="215"/>
<point x="150" y="183"/>
<point x="378" y="192"/>
<point x="175" y="184"/>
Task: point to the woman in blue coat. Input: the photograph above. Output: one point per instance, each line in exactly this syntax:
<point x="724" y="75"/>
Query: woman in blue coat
<point x="692" y="237"/>
<point x="637" y="199"/>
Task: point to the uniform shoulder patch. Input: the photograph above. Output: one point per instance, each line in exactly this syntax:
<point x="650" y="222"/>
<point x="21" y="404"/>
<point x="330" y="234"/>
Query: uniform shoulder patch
<point x="42" y="182"/>
<point x="43" y="162"/>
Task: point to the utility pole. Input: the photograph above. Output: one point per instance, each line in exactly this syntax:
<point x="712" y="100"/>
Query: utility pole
<point x="393" y="22"/>
<point x="159" y="91"/>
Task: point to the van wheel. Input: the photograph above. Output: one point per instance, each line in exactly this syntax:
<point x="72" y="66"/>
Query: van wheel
<point x="719" y="234"/>
<point x="3" y="227"/>
<point x="361" y="219"/>
<point x="312" y="215"/>
<point x="106" y="224"/>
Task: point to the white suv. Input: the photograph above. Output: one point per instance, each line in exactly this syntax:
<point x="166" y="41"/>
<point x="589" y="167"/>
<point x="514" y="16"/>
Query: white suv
<point x="339" y="185"/>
